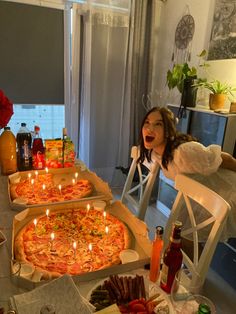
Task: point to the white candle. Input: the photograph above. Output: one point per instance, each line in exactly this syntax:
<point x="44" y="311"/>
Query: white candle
<point x="35" y="224"/>
<point x="46" y="169"/>
<point x="106" y="229"/>
<point x="59" y="187"/>
<point x="74" y="247"/>
<point x="29" y="176"/>
<point x="90" y="247"/>
<point x="88" y="208"/>
<point x="47" y="212"/>
<point x="76" y="176"/>
<point x="52" y="238"/>
<point x="104" y="215"/>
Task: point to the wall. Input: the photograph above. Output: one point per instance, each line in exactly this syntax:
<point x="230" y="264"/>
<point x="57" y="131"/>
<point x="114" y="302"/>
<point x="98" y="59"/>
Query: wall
<point x="170" y="13"/>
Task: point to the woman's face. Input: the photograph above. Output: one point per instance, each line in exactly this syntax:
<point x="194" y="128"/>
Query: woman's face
<point x="153" y="132"/>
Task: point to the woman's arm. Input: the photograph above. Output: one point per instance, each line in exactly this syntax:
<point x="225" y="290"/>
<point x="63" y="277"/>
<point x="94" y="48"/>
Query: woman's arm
<point x="228" y="161"/>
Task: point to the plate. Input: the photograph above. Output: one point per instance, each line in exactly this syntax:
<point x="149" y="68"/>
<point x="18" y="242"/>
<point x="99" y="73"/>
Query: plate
<point x="127" y="256"/>
<point x="151" y="290"/>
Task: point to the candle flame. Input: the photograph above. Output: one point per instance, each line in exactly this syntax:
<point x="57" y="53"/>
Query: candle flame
<point x="35" y="222"/>
<point x="73" y="181"/>
<point x="74" y="245"/>
<point x="76" y="175"/>
<point x="44" y="186"/>
<point x="90" y="247"/>
<point x="52" y="236"/>
<point x="104" y="214"/>
<point x="106" y="229"/>
<point x="88" y="207"/>
<point x="46" y="169"/>
<point x="47" y="212"/>
<point x="32" y="181"/>
<point x="59" y="187"/>
<point x="29" y="175"/>
<point x="36" y="173"/>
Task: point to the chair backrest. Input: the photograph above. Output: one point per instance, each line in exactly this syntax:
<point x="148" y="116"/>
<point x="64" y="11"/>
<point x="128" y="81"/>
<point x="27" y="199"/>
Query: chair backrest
<point x="203" y="212"/>
<point x="137" y="194"/>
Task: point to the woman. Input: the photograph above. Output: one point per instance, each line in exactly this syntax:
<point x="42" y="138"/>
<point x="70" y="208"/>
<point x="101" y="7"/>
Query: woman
<point x="181" y="153"/>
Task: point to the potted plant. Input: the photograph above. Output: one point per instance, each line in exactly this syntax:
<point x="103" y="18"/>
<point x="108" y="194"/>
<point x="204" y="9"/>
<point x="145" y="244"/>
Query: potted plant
<point x="218" y="92"/>
<point x="183" y="77"/>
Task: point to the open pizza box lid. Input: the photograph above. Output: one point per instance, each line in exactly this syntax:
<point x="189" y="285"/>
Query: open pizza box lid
<point x="138" y="233"/>
<point x="62" y="176"/>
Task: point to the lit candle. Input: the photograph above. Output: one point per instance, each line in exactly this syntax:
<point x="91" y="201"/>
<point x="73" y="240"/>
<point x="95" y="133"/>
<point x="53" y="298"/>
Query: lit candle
<point x="46" y="169"/>
<point x="52" y="238"/>
<point x="88" y="208"/>
<point x="106" y="229"/>
<point x="36" y="174"/>
<point x="74" y="247"/>
<point x="32" y="183"/>
<point x="47" y="212"/>
<point x="44" y="187"/>
<point x="90" y="247"/>
<point x="29" y="176"/>
<point x="35" y="223"/>
<point x="59" y="187"/>
<point x="104" y="214"/>
<point x="76" y="176"/>
<point x="73" y="181"/>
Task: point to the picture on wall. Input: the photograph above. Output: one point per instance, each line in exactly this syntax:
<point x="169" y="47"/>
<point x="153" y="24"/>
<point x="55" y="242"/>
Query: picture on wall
<point x="223" y="34"/>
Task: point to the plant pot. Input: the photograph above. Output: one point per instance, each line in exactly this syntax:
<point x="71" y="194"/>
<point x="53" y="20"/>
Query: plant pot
<point x="189" y="93"/>
<point x="217" y="101"/>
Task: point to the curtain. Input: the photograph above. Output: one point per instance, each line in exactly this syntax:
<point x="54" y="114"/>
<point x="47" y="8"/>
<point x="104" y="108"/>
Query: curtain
<point x="143" y="18"/>
<point x="104" y="100"/>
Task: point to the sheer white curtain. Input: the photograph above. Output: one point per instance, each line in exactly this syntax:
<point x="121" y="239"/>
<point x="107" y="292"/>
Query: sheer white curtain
<point x="104" y="89"/>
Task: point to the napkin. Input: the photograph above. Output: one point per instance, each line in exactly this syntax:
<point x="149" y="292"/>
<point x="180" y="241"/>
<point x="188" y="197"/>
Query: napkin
<point x="62" y="293"/>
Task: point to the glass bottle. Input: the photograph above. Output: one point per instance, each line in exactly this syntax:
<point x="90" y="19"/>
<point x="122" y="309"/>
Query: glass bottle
<point x="157" y="247"/>
<point x="172" y="259"/>
<point x="203" y="309"/>
<point x="8" y="161"/>
<point x="38" y="150"/>
<point x="24" y="154"/>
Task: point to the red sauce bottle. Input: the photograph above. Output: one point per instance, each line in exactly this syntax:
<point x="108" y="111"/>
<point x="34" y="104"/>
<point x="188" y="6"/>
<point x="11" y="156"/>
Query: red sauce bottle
<point x="38" y="150"/>
<point x="172" y="259"/>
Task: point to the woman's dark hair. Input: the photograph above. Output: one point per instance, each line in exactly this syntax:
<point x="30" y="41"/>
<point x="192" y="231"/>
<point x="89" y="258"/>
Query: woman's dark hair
<point x="173" y="137"/>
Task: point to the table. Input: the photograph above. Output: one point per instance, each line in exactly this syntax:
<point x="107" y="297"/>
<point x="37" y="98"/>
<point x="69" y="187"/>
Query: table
<point x="7" y="287"/>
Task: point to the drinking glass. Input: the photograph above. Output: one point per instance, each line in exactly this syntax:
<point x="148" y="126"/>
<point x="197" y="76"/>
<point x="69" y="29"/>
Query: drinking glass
<point x="183" y="287"/>
<point x="192" y="303"/>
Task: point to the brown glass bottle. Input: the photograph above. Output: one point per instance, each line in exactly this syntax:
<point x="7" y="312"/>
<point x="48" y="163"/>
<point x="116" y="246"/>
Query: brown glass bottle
<point x="172" y="259"/>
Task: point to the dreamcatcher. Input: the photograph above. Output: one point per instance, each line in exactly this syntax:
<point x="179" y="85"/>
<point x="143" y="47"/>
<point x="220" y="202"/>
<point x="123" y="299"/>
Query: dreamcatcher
<point x="183" y="39"/>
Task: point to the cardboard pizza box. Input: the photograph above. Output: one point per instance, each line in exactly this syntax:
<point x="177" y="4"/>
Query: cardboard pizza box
<point x="138" y="232"/>
<point x="62" y="176"/>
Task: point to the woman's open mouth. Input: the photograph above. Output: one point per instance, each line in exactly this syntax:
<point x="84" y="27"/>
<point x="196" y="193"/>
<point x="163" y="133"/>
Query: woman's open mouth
<point x="149" y="138"/>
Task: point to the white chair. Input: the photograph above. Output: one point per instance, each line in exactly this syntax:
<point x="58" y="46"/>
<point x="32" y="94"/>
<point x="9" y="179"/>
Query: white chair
<point x="193" y="196"/>
<point x="137" y="194"/>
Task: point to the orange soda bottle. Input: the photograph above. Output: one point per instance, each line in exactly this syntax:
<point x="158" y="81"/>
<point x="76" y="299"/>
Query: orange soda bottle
<point x="157" y="247"/>
<point x="8" y="160"/>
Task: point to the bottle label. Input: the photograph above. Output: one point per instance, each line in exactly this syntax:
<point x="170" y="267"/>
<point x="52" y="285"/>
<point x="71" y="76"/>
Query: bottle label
<point x="164" y="274"/>
<point x="25" y="151"/>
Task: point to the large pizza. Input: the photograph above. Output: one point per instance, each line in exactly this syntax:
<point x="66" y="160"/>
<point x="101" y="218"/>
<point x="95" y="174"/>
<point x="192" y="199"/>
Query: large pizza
<point x="42" y="189"/>
<point x="72" y="241"/>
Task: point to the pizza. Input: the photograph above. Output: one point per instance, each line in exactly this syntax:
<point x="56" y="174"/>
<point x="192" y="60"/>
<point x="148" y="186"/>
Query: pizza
<point x="42" y="189"/>
<point x="72" y="241"/>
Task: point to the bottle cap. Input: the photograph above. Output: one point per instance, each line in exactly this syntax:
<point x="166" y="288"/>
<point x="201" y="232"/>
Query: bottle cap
<point x="23" y="124"/>
<point x="204" y="309"/>
<point x="36" y="128"/>
<point x="7" y="128"/>
<point x="159" y="230"/>
<point x="64" y="131"/>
